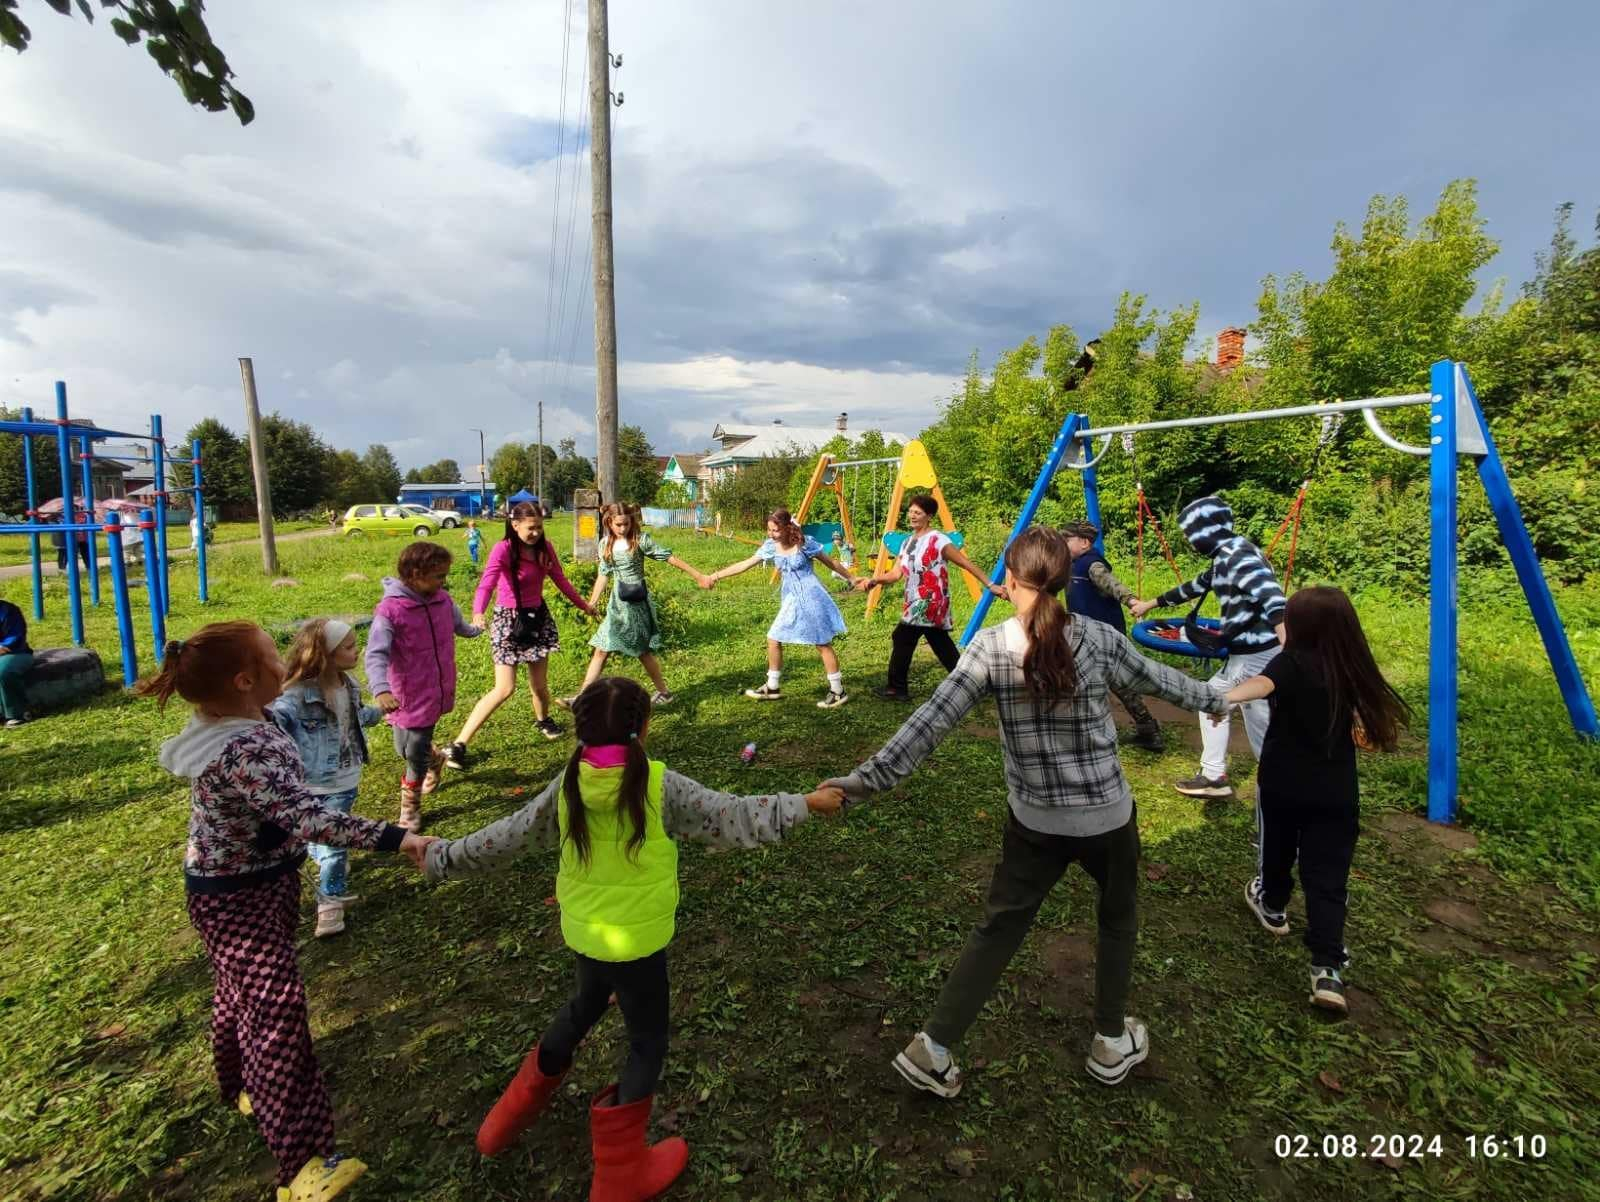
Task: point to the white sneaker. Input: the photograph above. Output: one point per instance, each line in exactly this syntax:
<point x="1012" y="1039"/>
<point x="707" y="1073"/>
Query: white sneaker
<point x="330" y="919"/>
<point x="1110" y="1060"/>
<point x="920" y="1065"/>
<point x="658" y="698"/>
<point x="833" y="700"/>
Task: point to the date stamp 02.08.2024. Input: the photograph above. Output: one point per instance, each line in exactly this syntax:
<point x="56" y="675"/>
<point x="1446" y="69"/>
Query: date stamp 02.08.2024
<point x="1332" y="1146"/>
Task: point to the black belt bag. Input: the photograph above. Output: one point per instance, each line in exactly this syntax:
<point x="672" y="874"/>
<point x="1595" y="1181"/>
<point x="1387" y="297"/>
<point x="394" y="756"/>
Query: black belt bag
<point x="1202" y="637"/>
<point x="633" y="594"/>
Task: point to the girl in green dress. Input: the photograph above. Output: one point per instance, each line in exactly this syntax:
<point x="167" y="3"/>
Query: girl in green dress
<point x="630" y="626"/>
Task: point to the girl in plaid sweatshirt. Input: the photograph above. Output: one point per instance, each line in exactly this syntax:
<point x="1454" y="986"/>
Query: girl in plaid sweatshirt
<point x="1050" y="674"/>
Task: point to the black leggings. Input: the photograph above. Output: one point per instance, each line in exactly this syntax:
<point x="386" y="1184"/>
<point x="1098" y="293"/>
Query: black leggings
<point x="414" y="744"/>
<point x="641" y="989"/>
<point x="905" y="646"/>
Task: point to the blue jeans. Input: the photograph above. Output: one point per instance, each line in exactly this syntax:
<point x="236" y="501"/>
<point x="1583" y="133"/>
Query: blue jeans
<point x="13" y="692"/>
<point x="333" y="861"/>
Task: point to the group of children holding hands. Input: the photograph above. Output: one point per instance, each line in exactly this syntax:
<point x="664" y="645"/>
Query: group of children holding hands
<point x="274" y="752"/>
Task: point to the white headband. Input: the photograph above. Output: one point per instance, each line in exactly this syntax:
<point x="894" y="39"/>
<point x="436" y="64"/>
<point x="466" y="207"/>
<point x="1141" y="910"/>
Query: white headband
<point x="334" y="633"/>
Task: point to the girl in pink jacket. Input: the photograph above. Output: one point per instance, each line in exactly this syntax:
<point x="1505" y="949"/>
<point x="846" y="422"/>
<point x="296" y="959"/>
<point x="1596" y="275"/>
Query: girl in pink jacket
<point x="522" y="630"/>
<point x="411" y="666"/>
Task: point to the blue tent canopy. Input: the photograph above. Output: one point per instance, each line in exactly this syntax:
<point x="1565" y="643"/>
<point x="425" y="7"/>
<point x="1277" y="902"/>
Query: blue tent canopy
<point x="520" y="496"/>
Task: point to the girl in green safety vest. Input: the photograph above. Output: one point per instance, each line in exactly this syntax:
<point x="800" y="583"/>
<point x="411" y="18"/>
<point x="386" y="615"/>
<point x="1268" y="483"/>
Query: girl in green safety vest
<point x="614" y="814"/>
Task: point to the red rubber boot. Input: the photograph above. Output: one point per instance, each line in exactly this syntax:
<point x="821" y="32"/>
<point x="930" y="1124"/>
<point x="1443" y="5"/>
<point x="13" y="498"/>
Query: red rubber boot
<point x="523" y="1102"/>
<point x="626" y="1169"/>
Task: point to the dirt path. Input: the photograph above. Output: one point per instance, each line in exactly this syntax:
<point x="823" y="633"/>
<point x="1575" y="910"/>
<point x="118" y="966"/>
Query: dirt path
<point x="16" y="571"/>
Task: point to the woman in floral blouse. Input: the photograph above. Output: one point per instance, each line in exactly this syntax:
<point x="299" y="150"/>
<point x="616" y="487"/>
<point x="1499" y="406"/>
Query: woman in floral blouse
<point x="926" y="611"/>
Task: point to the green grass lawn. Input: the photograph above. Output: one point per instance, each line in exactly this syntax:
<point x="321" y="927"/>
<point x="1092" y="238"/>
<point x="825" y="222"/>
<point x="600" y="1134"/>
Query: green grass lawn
<point x="14" y="548"/>
<point x="799" y="970"/>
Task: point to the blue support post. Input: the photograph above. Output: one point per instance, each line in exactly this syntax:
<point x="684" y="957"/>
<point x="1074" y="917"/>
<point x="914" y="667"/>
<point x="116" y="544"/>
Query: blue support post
<point x="1518" y="544"/>
<point x="158" y="450"/>
<point x="200" y="514"/>
<point x="152" y="565"/>
<point x="1052" y="464"/>
<point x="86" y="470"/>
<point x="1443" y="650"/>
<point x="33" y="519"/>
<point x="119" y="598"/>
<point x="74" y="596"/>
<point x="1091" y="506"/>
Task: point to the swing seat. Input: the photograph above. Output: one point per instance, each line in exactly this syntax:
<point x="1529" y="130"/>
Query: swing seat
<point x="896" y="539"/>
<point x="1166" y="636"/>
<point x="824" y="532"/>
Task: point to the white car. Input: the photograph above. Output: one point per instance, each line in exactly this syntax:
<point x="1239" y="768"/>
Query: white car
<point x="448" y="519"/>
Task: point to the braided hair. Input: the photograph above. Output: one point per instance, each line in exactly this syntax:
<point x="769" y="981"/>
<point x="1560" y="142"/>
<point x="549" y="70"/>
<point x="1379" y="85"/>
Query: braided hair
<point x="612" y="710"/>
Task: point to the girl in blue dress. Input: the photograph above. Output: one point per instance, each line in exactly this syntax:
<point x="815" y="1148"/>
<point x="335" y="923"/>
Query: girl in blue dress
<point x="806" y="613"/>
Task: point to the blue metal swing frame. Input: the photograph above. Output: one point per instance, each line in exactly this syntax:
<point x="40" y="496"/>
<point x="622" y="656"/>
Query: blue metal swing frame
<point x="1456" y="427"/>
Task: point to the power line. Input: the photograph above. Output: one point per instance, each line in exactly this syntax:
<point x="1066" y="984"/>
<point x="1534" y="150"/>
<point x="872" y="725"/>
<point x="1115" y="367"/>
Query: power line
<point x="555" y="200"/>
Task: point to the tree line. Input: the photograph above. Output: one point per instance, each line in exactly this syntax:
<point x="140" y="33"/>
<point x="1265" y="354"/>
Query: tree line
<point x="1400" y="295"/>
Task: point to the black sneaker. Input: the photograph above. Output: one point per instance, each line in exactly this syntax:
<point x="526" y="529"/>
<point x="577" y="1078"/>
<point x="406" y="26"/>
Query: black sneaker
<point x="1204" y="786"/>
<point x="892" y="695"/>
<point x="1327" y="990"/>
<point x="549" y="728"/>
<point x="833" y="700"/>
<point x="1276" y="924"/>
<point x="455" y="755"/>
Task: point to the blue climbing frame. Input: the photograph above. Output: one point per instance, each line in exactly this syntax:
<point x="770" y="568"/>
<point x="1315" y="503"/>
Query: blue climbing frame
<point x="151" y="526"/>
<point x="1456" y="427"/>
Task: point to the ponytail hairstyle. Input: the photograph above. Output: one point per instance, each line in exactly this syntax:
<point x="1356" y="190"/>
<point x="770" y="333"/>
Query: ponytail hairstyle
<point x="623" y="510"/>
<point x="613" y="710"/>
<point x="1321" y="626"/>
<point x="540" y="549"/>
<point x="309" y="653"/>
<point x="1039" y="559"/>
<point x="789" y="533"/>
<point x="201" y="668"/>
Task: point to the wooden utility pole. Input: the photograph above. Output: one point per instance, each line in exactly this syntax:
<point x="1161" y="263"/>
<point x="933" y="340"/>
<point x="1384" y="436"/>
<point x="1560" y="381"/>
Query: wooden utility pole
<point x="540" y="467"/>
<point x="258" y="464"/>
<point x="605" y="300"/>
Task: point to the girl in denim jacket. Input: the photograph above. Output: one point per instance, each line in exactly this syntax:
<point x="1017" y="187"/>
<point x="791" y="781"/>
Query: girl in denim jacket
<point x="320" y="709"/>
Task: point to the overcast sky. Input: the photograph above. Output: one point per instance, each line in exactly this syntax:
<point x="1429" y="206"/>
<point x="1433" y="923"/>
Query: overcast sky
<point x="819" y="207"/>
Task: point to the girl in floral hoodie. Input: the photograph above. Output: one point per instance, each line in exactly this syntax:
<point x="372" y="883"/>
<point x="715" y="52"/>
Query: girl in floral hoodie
<point x="250" y="820"/>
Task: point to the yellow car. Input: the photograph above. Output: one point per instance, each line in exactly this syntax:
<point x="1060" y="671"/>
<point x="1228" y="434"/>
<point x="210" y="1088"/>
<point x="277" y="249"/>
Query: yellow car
<point x="361" y="520"/>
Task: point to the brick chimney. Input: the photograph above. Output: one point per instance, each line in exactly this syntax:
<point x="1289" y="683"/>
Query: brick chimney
<point x="842" y="422"/>
<point x="1230" y="348"/>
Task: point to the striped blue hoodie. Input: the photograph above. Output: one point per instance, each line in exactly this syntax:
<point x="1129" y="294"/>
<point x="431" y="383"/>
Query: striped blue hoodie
<point x="1246" y="588"/>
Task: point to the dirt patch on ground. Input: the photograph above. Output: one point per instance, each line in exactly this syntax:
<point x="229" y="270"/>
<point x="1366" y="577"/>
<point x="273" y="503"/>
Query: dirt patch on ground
<point x="1069" y="968"/>
<point x="1369" y="1016"/>
<point x="1425" y="842"/>
<point x="1458" y="915"/>
<point x="979" y="731"/>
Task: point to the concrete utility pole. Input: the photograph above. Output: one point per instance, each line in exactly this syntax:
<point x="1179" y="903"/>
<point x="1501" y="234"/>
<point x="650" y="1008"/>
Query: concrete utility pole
<point x="258" y="464"/>
<point x="605" y="300"/>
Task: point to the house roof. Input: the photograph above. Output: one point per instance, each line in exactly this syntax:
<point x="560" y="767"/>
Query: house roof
<point x="689" y="465"/>
<point x="765" y="442"/>
<point x="447" y="486"/>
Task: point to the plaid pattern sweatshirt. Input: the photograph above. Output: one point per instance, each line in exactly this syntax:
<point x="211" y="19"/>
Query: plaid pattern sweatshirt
<point x="1062" y="772"/>
<point x="1247" y="590"/>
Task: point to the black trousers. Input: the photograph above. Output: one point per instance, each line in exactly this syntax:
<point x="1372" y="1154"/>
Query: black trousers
<point x="1322" y="840"/>
<point x="641" y="989"/>
<point x="905" y="646"/>
<point x="1031" y="862"/>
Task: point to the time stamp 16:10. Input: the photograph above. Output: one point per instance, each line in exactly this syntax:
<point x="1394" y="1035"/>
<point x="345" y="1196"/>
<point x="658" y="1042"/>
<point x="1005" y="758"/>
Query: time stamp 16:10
<point x="1354" y="1147"/>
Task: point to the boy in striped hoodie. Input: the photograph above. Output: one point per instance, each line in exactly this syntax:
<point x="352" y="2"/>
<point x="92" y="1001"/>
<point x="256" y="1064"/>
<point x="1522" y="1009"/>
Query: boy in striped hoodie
<point x="1252" y="629"/>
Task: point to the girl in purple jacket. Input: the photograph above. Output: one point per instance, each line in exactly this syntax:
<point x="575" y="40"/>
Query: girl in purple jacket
<point x="411" y="666"/>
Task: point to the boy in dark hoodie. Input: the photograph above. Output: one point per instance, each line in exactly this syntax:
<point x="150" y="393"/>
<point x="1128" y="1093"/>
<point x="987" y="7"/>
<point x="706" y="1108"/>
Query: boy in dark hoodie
<point x="1252" y="629"/>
